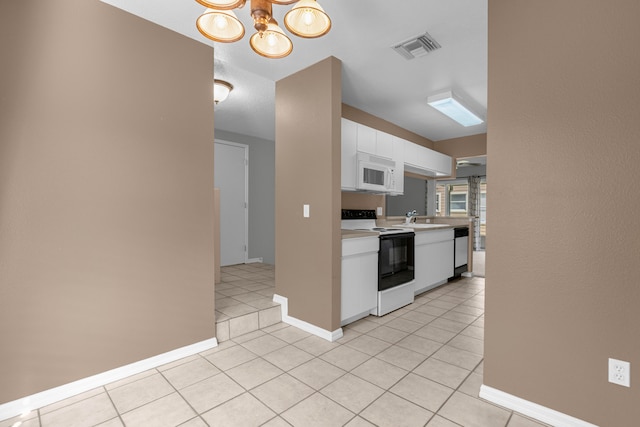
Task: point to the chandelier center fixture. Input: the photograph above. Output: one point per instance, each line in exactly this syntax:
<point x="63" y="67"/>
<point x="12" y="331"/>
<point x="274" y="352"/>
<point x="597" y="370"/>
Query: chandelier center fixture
<point x="306" y="19"/>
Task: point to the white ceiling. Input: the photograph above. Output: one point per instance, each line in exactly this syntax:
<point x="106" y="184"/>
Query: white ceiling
<point x="374" y="78"/>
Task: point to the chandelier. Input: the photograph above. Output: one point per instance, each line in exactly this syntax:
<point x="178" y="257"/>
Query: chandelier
<point x="306" y="19"/>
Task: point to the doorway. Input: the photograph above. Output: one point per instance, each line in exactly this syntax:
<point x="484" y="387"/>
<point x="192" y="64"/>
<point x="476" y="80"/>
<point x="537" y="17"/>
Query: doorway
<point x="231" y="164"/>
<point x="463" y="197"/>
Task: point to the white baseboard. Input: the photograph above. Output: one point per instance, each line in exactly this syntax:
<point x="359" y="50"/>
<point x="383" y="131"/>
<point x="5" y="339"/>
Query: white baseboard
<point x="47" y="397"/>
<point x="301" y="324"/>
<point x="467" y="274"/>
<point x="252" y="260"/>
<point x="530" y="409"/>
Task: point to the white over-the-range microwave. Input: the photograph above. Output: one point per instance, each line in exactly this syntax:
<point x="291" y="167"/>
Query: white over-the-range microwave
<point x="376" y="173"/>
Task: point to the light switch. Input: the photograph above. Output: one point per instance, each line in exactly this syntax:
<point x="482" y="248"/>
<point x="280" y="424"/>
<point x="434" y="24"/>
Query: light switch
<point x="305" y="211"/>
<point x="379" y="210"/>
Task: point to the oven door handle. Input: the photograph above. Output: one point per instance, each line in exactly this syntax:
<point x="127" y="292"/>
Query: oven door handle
<point x="396" y="235"/>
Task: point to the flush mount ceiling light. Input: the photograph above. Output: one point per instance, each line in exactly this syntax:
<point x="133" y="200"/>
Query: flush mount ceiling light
<point x="306" y="19"/>
<point x="451" y="105"/>
<point x="221" y="90"/>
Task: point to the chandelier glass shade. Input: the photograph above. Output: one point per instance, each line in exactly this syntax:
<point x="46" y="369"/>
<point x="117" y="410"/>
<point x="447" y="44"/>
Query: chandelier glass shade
<point x="220" y="25"/>
<point x="306" y="19"/>
<point x="272" y="42"/>
<point x="222" y="4"/>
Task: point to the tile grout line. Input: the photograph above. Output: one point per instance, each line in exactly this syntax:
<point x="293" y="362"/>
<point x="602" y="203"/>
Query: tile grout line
<point x="470" y="373"/>
<point x="198" y="415"/>
<point x="315" y="355"/>
<point x="388" y="389"/>
<point x="375" y="356"/>
<point x="429" y="356"/>
<point x="114" y="406"/>
<point x="319" y="391"/>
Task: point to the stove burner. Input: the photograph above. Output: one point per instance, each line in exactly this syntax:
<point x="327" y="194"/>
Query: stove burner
<point x="365" y="220"/>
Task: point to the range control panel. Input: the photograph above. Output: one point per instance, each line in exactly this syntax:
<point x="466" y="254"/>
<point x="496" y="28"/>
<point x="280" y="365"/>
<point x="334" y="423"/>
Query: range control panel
<point x="358" y="214"/>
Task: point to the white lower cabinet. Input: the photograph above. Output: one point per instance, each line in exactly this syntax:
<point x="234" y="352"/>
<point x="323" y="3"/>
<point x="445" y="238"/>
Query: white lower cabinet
<point x="359" y="278"/>
<point x="433" y="259"/>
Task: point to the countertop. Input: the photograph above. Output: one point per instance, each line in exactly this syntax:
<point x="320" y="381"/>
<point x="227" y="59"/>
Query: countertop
<point x="351" y="234"/>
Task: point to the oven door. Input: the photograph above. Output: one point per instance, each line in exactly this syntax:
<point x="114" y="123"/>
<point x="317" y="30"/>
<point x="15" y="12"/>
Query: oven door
<point x="395" y="260"/>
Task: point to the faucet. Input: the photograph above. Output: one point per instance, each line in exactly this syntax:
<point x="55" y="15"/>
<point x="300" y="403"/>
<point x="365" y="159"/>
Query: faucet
<point x="411" y="215"/>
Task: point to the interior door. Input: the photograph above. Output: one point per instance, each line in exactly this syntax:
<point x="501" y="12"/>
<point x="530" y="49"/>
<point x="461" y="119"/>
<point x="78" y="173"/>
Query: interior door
<point x="230" y="176"/>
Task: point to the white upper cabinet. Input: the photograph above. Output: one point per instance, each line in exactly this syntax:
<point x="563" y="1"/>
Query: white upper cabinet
<point x="424" y="161"/>
<point x="349" y="152"/>
<point x="441" y="163"/>
<point x="411" y="152"/>
<point x="374" y="142"/>
<point x="384" y="145"/>
<point x="366" y="139"/>
<point x="397" y="146"/>
<point x="407" y="155"/>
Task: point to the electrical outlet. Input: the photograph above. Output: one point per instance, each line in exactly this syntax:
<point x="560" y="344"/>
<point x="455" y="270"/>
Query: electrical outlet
<point x="620" y="372"/>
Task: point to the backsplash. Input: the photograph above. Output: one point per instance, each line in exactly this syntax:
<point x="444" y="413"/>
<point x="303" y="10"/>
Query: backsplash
<point x="363" y="201"/>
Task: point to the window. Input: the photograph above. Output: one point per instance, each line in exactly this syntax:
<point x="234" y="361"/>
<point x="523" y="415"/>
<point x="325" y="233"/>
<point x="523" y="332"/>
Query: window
<point x="441" y="200"/>
<point x="458" y="201"/>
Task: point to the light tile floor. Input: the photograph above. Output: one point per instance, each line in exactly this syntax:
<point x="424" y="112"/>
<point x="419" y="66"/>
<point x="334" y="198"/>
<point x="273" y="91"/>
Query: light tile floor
<point x="244" y="300"/>
<point x="421" y="365"/>
<point x="244" y="288"/>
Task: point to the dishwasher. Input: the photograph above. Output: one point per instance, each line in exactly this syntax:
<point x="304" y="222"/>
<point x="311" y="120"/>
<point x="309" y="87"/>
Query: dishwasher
<point x="460" y="251"/>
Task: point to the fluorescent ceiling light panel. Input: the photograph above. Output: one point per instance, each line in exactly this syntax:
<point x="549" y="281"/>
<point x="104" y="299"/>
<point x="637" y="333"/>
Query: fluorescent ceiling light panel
<point x="448" y="105"/>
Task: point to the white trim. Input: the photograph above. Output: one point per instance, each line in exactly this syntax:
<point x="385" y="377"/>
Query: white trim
<point x="466" y="200"/>
<point x="530" y="409"/>
<point x="301" y="324"/>
<point x="252" y="260"/>
<point x="47" y="397"/>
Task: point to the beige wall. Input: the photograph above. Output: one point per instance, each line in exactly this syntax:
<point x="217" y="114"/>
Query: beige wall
<point x="363" y="201"/>
<point x="466" y="146"/>
<point x="106" y="201"/>
<point x="308" y="250"/>
<point x="562" y="290"/>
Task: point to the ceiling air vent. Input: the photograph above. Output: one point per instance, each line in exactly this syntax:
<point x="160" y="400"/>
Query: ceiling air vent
<point x="417" y="46"/>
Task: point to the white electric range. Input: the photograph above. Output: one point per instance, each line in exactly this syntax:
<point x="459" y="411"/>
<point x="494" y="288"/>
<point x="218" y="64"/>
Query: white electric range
<point x="395" y="259"/>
